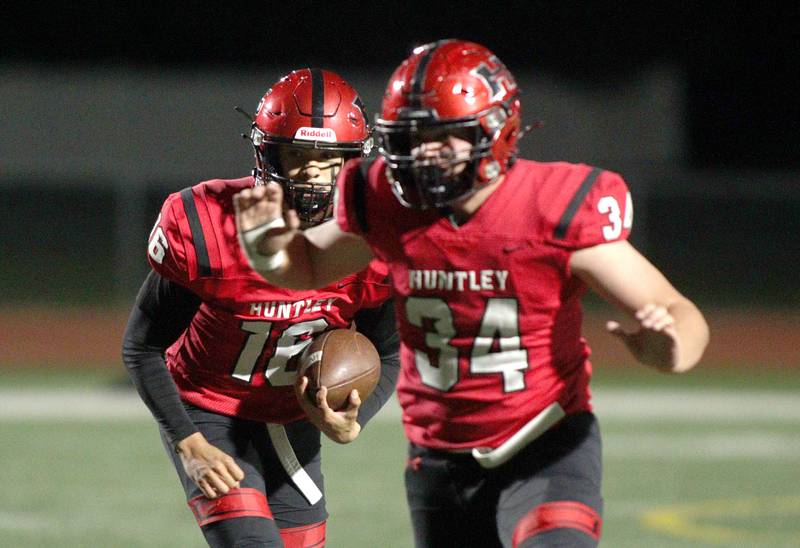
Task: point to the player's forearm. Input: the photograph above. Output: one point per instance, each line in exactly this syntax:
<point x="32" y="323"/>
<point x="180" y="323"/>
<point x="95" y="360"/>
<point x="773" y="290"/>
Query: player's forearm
<point x="693" y="334"/>
<point x="379" y="326"/>
<point x="158" y="392"/>
<point x="162" y="312"/>
<point x="333" y="254"/>
<point x="390" y="368"/>
<point x="153" y="382"/>
<point x="290" y="268"/>
<point x="309" y="261"/>
<point x="304" y="259"/>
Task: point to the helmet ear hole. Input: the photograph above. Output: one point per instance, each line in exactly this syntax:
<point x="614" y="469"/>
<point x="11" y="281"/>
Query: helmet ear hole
<point x="494" y="120"/>
<point x="491" y="170"/>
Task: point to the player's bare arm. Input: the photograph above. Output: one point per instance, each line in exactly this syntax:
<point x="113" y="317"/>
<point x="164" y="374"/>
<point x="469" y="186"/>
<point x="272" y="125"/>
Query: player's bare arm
<point x="671" y="333"/>
<point x="340" y="426"/>
<point x="213" y="471"/>
<point x="295" y="259"/>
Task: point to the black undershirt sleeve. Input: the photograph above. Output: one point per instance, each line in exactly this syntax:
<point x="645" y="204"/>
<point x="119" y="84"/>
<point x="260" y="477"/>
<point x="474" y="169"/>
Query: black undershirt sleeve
<point x="162" y="312"/>
<point x="378" y="325"/>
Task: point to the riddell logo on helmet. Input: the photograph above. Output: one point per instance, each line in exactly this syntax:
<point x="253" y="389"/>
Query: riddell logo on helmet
<point x="316" y="134"/>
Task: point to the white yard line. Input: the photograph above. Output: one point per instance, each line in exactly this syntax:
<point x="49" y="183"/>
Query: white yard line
<point x="734" y="445"/>
<point x="68" y="404"/>
<point x="18" y="521"/>
<point x="701" y="405"/>
<point x="616" y="404"/>
<point x="742" y="409"/>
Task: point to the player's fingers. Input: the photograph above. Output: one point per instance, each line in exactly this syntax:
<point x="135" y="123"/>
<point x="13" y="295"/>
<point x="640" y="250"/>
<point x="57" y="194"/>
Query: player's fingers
<point x="242" y="201"/>
<point x="652" y="316"/>
<point x="252" y="196"/>
<point x="217" y="483"/>
<point x="225" y="475"/>
<point x="662" y="322"/>
<point x="659" y="319"/>
<point x="239" y="200"/>
<point x="322" y="399"/>
<point x="350" y="411"/>
<point x="207" y="490"/>
<point x="615" y="329"/>
<point x="355" y="399"/>
<point x="273" y="192"/>
<point x="645" y="311"/>
<point x="292" y="220"/>
<point x="256" y="192"/>
<point x="234" y="470"/>
<point x="307" y="400"/>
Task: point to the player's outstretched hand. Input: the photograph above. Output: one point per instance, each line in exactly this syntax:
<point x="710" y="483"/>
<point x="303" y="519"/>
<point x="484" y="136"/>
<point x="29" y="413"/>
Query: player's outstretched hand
<point x="340" y="426"/>
<point x="655" y="341"/>
<point x="261" y="207"/>
<point x="214" y="471"/>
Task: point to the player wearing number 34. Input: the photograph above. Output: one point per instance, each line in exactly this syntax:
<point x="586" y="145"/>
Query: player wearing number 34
<point x="489" y="257"/>
<point x="246" y="448"/>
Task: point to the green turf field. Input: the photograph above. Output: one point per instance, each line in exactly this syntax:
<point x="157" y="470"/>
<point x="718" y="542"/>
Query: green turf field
<point x="693" y="461"/>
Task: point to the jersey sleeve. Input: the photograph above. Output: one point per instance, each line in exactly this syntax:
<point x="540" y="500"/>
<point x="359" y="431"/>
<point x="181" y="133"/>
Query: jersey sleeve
<point x="377" y="285"/>
<point x="177" y="246"/>
<point x="600" y="210"/>
<point x="348" y="184"/>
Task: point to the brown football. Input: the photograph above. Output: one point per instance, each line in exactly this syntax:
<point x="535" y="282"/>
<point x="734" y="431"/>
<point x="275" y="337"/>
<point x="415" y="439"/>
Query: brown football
<point x="340" y="360"/>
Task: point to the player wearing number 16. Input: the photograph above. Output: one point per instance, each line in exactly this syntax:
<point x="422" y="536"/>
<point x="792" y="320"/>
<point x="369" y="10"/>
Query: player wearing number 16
<point x="244" y="439"/>
<point x="489" y="257"/>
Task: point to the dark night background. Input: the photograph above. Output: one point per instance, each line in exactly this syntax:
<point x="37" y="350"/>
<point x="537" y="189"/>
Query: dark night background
<point x="738" y="64"/>
<point x="740" y="57"/>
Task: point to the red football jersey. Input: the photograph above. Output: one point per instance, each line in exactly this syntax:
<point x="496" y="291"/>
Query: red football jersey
<point x="235" y="356"/>
<point x="489" y="313"/>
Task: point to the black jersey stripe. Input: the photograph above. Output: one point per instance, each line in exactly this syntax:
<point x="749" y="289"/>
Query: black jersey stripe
<point x="587" y="184"/>
<point x="200" y="249"/>
<point x="317" y="97"/>
<point x="360" y="197"/>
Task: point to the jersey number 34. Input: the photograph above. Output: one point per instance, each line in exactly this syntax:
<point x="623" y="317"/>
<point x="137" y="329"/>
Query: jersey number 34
<point x="495" y="350"/>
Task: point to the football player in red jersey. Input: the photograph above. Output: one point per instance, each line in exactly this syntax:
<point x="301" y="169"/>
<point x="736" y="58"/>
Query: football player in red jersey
<point x="247" y="453"/>
<point x="489" y="256"/>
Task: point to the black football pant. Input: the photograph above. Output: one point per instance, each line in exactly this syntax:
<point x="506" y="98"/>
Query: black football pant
<point x="455" y="502"/>
<point x="249" y="444"/>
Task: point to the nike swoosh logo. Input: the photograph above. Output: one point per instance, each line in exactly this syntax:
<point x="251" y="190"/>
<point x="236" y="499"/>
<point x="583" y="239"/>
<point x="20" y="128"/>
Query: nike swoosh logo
<point x="512" y="248"/>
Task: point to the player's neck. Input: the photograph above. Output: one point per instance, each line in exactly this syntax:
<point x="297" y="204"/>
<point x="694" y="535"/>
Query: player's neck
<point x="463" y="210"/>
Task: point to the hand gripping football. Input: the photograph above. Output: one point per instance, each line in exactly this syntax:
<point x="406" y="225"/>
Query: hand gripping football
<point x="340" y="360"/>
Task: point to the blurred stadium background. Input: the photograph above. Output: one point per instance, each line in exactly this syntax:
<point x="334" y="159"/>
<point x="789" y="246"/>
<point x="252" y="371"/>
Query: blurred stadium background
<point x="107" y="108"/>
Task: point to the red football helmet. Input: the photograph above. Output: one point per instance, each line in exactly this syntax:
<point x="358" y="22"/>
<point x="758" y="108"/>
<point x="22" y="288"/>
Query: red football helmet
<point x="308" y="109"/>
<point x="449" y="87"/>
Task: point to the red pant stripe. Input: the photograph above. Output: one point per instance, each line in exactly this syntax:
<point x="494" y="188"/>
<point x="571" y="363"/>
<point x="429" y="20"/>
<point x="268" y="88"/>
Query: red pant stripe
<point x="305" y="536"/>
<point x="237" y="503"/>
<point x="556" y="515"/>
